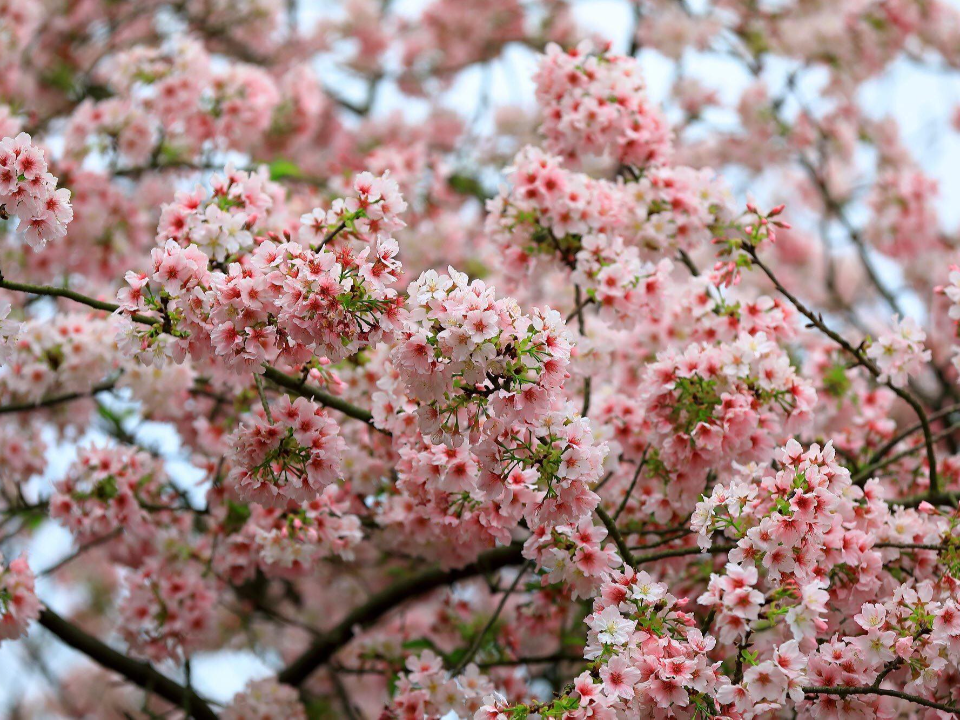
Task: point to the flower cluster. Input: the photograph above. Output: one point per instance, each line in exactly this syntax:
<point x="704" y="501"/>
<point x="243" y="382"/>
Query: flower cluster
<point x="167" y="612"/>
<point x="649" y="654"/>
<point x="596" y="104"/>
<point x="549" y="210"/>
<point x="220" y="224"/>
<point x="467" y="356"/>
<point x="284" y="302"/>
<point x="19" y="605"/>
<point x="292" y="455"/>
<point x="641" y="478"/>
<point x="172" y="101"/>
<point x="899" y="353"/>
<point x="68" y="353"/>
<point x="714" y="405"/>
<point x="321" y="527"/>
<point x="573" y="556"/>
<point x="375" y="211"/>
<point x="904" y="223"/>
<point x="292" y="302"/>
<point x="793" y="524"/>
<point x="951" y="291"/>
<point x="108" y="489"/>
<point x="30" y="192"/>
<point x="8" y="331"/>
<point x="265" y="699"/>
<point x="559" y="454"/>
<point x="913" y="633"/>
<point x="625" y="288"/>
<point x="426" y="690"/>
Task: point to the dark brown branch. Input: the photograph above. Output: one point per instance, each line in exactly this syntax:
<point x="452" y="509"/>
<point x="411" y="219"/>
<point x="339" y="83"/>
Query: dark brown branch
<point x="904" y="434"/>
<point x="57" y="399"/>
<point x="381" y="603"/>
<point x="75" y="296"/>
<point x="868" y="690"/>
<point x="475" y="645"/>
<point x="615" y="535"/>
<point x="96" y="542"/>
<point x="139" y="673"/>
<point x="294" y="385"/>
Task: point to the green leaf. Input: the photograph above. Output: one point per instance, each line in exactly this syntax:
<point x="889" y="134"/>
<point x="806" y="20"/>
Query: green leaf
<point x="466" y="185"/>
<point x="280" y="169"/>
<point x="419" y="644"/>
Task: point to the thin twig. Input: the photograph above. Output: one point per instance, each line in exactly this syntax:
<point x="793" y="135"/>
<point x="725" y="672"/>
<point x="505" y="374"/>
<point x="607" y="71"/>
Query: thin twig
<point x="862" y="359"/>
<point x="633" y="484"/>
<point x="478" y="640"/>
<point x="263" y="397"/>
<point x="80" y="551"/>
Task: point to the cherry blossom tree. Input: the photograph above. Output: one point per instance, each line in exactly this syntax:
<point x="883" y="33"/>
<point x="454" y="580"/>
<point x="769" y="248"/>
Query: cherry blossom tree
<point x="606" y="403"/>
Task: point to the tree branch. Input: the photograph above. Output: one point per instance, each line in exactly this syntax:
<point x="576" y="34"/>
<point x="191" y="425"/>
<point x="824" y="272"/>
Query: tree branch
<point x="139" y="673"/>
<point x="57" y="399"/>
<point x="475" y="645"/>
<point x="386" y="600"/>
<point x="862" y="359"/>
<point x="276" y="376"/>
<point x="76" y="297"/>
<point x="845" y="691"/>
<point x="615" y="535"/>
<point x="297" y="387"/>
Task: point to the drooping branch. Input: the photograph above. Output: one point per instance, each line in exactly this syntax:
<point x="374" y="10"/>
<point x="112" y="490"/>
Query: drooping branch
<point x="141" y="674"/>
<point x="907" y="432"/>
<point x="615" y="535"/>
<point x="637" y="560"/>
<point x="478" y="640"/>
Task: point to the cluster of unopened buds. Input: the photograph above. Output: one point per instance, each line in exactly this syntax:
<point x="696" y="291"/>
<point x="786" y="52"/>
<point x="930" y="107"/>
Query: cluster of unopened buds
<point x="741" y="240"/>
